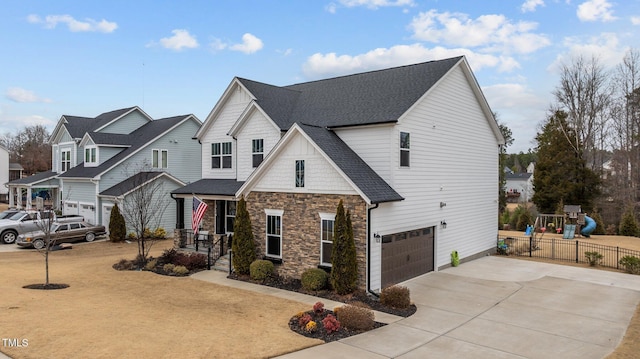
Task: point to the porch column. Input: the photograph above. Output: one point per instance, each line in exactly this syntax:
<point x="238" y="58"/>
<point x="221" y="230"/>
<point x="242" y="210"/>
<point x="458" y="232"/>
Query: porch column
<point x="19" y="197"/>
<point x="12" y="190"/>
<point x="29" y="204"/>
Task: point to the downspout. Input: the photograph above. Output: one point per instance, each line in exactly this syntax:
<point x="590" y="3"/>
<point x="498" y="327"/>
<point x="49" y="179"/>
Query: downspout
<point x="369" y="250"/>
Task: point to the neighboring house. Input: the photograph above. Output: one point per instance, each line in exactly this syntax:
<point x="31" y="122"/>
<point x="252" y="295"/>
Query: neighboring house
<point x="98" y="161"/>
<point x="4" y="173"/>
<point x="15" y="171"/>
<point x="519" y="187"/>
<point x="395" y="145"/>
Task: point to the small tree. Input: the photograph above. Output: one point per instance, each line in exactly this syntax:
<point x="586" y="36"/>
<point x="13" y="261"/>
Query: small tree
<point x="117" y="226"/>
<point x="243" y="247"/>
<point x="344" y="265"/>
<point x="629" y="224"/>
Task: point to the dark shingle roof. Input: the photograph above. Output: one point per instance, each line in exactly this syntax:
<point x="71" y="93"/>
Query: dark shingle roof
<point x="365" y="98"/>
<point x="78" y="126"/>
<point x="38" y="177"/>
<point x="137" y="139"/>
<point x="131" y="183"/>
<point x="213" y="187"/>
<point x="101" y="138"/>
<point x="518" y="176"/>
<point x="363" y="176"/>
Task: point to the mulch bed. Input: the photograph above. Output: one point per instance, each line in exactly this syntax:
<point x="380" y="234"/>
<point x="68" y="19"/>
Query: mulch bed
<point x="50" y="286"/>
<point x="294" y="285"/>
<point x="321" y="332"/>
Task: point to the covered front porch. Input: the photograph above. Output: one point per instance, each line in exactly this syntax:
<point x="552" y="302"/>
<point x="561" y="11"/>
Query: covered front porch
<point x="40" y="191"/>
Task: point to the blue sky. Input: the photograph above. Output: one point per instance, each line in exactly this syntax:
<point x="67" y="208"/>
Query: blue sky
<point x="83" y="58"/>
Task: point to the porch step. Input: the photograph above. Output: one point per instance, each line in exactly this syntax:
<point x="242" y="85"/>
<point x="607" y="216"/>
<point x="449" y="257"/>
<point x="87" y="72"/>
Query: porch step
<point x="222" y="264"/>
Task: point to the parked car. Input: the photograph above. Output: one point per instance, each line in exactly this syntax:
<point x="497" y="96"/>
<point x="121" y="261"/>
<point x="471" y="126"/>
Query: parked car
<point x="8" y="213"/>
<point x="27" y="221"/>
<point x="61" y="232"/>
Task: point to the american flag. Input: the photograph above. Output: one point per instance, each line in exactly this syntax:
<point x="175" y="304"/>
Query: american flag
<point x="199" y="207"/>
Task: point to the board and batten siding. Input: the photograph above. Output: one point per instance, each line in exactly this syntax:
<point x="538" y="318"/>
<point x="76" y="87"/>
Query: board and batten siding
<point x="257" y="126"/>
<point x="320" y="176"/>
<point x="126" y="124"/>
<point x="229" y="113"/>
<point x="373" y="145"/>
<point x="454" y="160"/>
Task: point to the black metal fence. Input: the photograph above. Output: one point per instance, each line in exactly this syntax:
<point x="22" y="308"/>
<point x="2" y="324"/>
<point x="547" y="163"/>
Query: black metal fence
<point x="569" y="250"/>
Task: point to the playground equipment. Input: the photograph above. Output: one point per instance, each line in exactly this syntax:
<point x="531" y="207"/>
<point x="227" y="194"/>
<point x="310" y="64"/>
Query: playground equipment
<point x="571" y="222"/>
<point x="590" y="226"/>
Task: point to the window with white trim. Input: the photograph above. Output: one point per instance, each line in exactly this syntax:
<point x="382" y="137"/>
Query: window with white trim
<point x="221" y="153"/>
<point x="299" y="173"/>
<point x="274" y="233"/>
<point x="90" y="155"/>
<point x="327" y="222"/>
<point x="159" y="158"/>
<point x="65" y="160"/>
<point x="257" y="152"/>
<point x="405" y="148"/>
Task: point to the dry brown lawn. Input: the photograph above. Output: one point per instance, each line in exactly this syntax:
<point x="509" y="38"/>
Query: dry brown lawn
<point x="107" y="314"/>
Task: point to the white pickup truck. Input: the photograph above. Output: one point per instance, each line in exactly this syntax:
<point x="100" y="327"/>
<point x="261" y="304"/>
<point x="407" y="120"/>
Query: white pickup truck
<point x="28" y="221"/>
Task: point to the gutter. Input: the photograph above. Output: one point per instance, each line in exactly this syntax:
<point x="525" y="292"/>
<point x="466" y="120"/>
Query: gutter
<point x="369" y="250"/>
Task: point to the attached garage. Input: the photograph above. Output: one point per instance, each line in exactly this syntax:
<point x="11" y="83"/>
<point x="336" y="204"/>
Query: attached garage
<point x="406" y="255"/>
<point x="88" y="211"/>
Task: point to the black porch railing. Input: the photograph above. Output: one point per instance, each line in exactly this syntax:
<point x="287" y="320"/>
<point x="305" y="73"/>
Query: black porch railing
<point x="215" y="245"/>
<point x="569" y="250"/>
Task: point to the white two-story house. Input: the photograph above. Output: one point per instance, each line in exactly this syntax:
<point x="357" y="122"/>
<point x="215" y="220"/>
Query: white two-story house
<point x="395" y="145"/>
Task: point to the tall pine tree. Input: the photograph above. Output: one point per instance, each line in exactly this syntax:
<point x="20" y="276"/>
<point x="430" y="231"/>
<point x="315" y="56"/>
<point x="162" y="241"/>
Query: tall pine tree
<point x="561" y="173"/>
<point x="344" y="265"/>
<point x="117" y="225"/>
<point x="243" y="247"/>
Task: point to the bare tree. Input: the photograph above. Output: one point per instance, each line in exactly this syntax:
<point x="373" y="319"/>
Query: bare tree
<point x="30" y="148"/>
<point x="143" y="207"/>
<point x="625" y="128"/>
<point x="584" y="95"/>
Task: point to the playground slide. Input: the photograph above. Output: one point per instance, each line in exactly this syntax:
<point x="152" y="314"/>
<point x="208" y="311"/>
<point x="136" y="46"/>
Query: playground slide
<point x="590" y="226"/>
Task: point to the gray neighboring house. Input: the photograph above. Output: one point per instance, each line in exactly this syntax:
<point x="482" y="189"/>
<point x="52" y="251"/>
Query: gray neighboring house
<point x="98" y="161"/>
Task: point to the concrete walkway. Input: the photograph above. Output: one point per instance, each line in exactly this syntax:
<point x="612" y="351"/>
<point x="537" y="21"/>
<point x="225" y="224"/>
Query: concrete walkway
<point x="493" y="307"/>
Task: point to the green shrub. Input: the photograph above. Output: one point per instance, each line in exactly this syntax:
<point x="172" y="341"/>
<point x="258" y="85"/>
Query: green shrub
<point x="395" y="297"/>
<point x="261" y="269"/>
<point x="356" y="317"/>
<point x="631" y="264"/>
<point x="600" y="227"/>
<point x="151" y="265"/>
<point x="629" y="224"/>
<point x="117" y="226"/>
<point x="593" y="258"/>
<point x="505" y="218"/>
<point x="314" y="279"/>
<point x="244" y="249"/>
<point x="344" y="264"/>
<point x="525" y="218"/>
<point x="180" y="270"/>
<point x="168" y="267"/>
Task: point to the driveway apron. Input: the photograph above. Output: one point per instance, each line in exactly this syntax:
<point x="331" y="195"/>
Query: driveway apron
<point x="499" y="307"/>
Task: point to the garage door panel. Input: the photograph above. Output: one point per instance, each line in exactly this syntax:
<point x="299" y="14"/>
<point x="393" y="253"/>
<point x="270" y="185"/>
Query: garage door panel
<point x="406" y="255"/>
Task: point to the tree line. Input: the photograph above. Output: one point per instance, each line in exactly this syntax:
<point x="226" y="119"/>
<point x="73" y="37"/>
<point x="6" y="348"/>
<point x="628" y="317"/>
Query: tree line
<point x="30" y="148"/>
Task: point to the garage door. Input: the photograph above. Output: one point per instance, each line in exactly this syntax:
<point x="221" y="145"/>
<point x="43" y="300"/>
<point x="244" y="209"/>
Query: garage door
<point x="406" y="255"/>
<point x="88" y="212"/>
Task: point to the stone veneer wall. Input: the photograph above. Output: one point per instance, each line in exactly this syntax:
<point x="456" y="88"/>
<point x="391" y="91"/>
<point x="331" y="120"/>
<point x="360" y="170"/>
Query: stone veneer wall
<point x="301" y="228"/>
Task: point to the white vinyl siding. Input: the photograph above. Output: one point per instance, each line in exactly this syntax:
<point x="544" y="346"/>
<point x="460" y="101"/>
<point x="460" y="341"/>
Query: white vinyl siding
<point x="256" y="127"/>
<point x="320" y="175"/>
<point x="454" y="159"/>
<point x="373" y="145"/>
<point x="224" y="120"/>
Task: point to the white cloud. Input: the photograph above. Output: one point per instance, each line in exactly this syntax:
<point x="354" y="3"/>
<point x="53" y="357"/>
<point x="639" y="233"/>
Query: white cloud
<point x="494" y="33"/>
<point x="531" y="5"/>
<point x="374" y="4"/>
<point x="17" y="94"/>
<point x="606" y="47"/>
<point x="249" y="45"/>
<point x="180" y="40"/>
<point x="331" y="8"/>
<point x="330" y="64"/>
<point x="635" y="20"/>
<point x="594" y="10"/>
<point x="88" y="25"/>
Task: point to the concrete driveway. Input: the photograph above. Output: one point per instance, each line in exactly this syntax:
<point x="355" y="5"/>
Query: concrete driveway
<point x="498" y="307"/>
